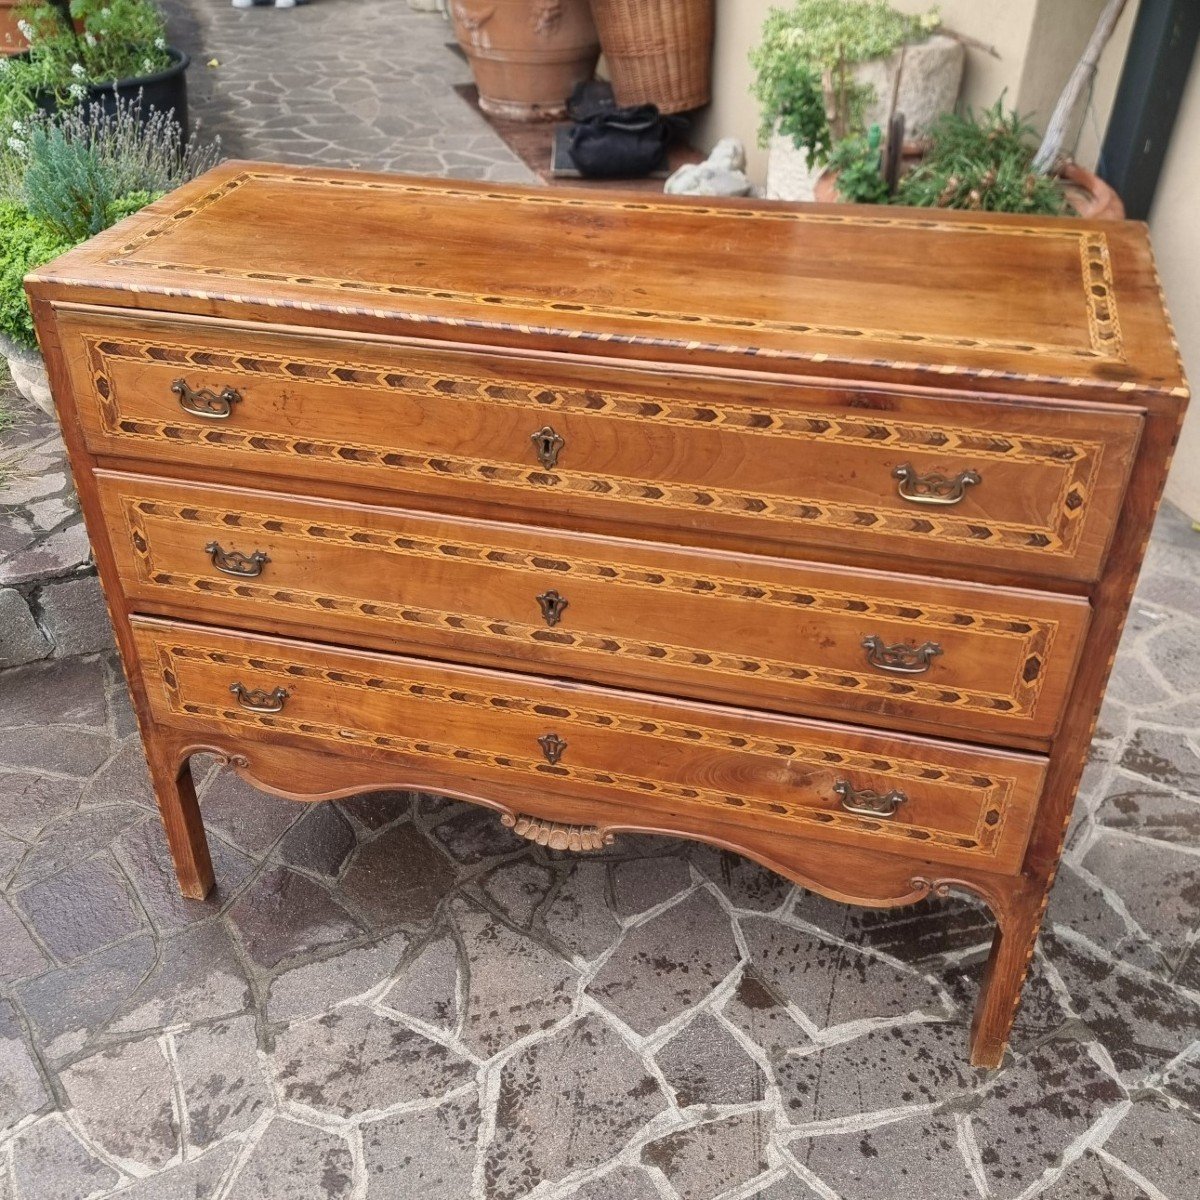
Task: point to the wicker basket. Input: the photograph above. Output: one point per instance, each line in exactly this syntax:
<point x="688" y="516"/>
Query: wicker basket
<point x="658" y="51"/>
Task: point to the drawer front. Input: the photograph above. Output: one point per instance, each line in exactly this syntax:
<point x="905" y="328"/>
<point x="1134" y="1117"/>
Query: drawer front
<point x="688" y="766"/>
<point x="896" y="650"/>
<point x="1017" y="487"/>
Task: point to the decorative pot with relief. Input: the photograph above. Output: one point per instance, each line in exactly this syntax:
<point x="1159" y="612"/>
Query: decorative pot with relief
<point x="526" y="57"/>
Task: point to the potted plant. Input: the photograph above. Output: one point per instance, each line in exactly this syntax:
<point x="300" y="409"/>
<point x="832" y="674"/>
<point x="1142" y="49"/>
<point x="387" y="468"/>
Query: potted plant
<point x="526" y="55"/>
<point x="658" y="53"/>
<point x="98" y="53"/>
<point x="12" y="40"/>
<point x="982" y="162"/>
<point x="827" y="69"/>
<point x="65" y="177"/>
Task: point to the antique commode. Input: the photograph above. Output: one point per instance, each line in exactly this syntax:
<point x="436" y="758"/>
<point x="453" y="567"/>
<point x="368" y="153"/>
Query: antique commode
<point x="806" y="531"/>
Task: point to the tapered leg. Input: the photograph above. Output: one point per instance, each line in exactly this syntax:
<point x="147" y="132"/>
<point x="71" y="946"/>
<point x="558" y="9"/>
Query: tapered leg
<point x="1003" y="977"/>
<point x="176" y="795"/>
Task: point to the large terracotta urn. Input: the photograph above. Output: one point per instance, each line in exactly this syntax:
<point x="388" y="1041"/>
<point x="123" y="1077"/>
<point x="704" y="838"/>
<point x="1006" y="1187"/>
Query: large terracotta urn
<point x="527" y="55"/>
<point x="12" y="40"/>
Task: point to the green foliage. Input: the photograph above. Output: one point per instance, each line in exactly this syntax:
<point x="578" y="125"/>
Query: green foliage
<point x="812" y="44"/>
<point x="118" y="39"/>
<point x="70" y="169"/>
<point x="25" y="244"/>
<point x="982" y="161"/>
<point x="858" y="160"/>
<point x="68" y="175"/>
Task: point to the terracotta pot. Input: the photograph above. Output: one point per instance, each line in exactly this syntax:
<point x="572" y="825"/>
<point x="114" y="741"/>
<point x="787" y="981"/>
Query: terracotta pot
<point x="1090" y="196"/>
<point x="825" y="189"/>
<point x="12" y="40"/>
<point x="527" y="55"/>
<point x="1087" y="193"/>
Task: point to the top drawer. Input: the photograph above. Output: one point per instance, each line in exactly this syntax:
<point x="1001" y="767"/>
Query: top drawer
<point x="1017" y="487"/>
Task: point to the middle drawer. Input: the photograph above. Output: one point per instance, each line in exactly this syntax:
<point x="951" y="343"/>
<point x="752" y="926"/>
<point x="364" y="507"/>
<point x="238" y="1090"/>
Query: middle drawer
<point x="896" y="650"/>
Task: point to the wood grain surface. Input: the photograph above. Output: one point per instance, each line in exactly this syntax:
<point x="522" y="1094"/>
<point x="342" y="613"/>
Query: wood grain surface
<point x="582" y="508"/>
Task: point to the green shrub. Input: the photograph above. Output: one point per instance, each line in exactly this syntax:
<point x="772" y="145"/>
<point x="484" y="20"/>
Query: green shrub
<point x="858" y="160"/>
<point x="25" y="245"/>
<point x="982" y="161"/>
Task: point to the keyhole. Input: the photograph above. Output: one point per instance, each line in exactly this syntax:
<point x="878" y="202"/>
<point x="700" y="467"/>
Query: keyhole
<point x="548" y="444"/>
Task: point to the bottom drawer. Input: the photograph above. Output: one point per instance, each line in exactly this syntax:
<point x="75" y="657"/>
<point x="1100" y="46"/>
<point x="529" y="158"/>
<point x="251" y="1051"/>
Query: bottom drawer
<point x="689" y="767"/>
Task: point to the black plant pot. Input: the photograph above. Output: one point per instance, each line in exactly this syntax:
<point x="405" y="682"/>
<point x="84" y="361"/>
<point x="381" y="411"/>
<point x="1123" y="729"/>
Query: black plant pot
<point x="164" y="91"/>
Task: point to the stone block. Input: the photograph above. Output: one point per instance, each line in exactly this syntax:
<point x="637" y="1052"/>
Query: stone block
<point x="74" y="616"/>
<point x="21" y="641"/>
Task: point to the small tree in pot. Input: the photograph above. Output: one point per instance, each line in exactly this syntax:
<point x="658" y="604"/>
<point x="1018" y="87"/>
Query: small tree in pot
<point x="829" y="69"/>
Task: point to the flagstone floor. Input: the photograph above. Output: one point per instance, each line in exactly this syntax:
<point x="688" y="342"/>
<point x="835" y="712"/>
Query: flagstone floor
<point x="392" y="997"/>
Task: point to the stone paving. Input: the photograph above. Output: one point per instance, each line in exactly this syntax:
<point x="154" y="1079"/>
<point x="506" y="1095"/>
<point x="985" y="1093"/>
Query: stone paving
<point x="49" y="599"/>
<point x="392" y="997"/>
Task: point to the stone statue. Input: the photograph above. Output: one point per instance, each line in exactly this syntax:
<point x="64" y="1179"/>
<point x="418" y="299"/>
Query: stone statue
<point x="721" y="174"/>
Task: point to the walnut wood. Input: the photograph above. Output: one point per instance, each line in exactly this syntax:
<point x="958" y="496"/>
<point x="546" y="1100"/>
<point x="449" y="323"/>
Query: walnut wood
<point x="759" y="461"/>
<point x="394" y="343"/>
<point x="694" y="764"/>
<point x="708" y="624"/>
<point x="954" y="295"/>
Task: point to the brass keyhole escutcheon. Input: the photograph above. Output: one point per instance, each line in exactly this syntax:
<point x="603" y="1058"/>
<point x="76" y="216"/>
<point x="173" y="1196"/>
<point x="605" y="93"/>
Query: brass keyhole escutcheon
<point x="552" y="747"/>
<point x="548" y="444"/>
<point x="553" y="606"/>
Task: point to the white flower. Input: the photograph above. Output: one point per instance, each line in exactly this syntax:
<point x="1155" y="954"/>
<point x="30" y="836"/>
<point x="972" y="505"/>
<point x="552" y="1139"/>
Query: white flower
<point x="90" y="38"/>
<point x="160" y="43"/>
<point x="147" y="66"/>
<point x="77" y="91"/>
<point x="26" y="29"/>
<point x="77" y="70"/>
<point x="15" y="143"/>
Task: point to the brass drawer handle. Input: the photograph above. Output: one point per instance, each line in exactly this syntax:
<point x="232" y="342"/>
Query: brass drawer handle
<point x="552" y="747"/>
<point x="553" y="606"/>
<point x="256" y="700"/>
<point x="548" y="445"/>
<point x="902" y="659"/>
<point x="234" y="562"/>
<point x="204" y="402"/>
<point x="933" y="488"/>
<point x="867" y="803"/>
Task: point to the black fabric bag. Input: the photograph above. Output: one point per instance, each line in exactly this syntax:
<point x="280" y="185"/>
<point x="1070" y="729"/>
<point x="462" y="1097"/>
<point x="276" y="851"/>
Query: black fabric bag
<point x="624" y="143"/>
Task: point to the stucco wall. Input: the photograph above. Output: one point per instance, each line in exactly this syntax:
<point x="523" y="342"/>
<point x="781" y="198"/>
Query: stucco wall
<point x="1037" y="43"/>
<point x="1177" y="248"/>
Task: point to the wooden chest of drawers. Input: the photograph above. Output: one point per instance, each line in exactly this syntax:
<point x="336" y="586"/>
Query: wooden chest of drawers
<point x="805" y="531"/>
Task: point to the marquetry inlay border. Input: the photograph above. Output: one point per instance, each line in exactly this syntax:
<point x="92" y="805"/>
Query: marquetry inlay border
<point x="1077" y="460"/>
<point x="991" y="795"/>
<point x="1097" y="293"/>
<point x="1034" y="638"/>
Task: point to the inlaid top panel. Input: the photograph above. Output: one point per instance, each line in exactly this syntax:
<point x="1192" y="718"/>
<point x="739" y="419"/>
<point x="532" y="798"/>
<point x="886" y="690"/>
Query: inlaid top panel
<point x="824" y="289"/>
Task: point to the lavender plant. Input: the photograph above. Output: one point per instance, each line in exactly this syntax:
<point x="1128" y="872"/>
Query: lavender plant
<point x="66" y="176"/>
